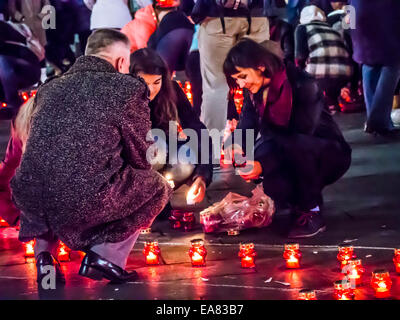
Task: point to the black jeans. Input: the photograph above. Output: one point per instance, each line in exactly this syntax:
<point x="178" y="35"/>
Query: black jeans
<point x="297" y="168"/>
<point x="332" y="88"/>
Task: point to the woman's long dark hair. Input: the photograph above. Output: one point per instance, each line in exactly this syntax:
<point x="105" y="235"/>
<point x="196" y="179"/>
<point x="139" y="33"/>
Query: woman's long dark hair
<point x="249" y="54"/>
<point x="149" y="61"/>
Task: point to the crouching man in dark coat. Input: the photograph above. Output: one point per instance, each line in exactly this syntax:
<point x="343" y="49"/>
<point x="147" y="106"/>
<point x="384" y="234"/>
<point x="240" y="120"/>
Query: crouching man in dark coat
<point x="84" y="177"/>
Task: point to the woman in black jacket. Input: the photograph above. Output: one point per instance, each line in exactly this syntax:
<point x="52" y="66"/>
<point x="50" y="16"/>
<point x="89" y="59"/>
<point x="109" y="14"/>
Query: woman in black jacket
<point x="169" y="108"/>
<point x="300" y="148"/>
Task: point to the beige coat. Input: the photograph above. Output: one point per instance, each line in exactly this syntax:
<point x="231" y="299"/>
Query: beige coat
<point x="29" y="12"/>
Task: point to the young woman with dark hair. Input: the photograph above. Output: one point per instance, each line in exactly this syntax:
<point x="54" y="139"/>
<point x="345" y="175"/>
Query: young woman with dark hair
<point x="169" y="103"/>
<point x="300" y="149"/>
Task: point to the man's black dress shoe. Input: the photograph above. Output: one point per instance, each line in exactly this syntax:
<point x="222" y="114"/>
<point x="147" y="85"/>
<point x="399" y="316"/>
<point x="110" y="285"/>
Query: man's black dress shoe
<point x="95" y="267"/>
<point x="45" y="259"/>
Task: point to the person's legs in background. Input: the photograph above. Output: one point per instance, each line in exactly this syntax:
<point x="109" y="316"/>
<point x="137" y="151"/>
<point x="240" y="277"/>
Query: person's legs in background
<point x="214" y="46"/>
<point x="332" y="88"/>
<point x="380" y="83"/>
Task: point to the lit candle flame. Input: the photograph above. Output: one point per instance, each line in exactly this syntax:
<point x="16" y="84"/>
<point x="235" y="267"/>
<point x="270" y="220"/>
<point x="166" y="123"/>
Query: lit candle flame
<point x="197" y="257"/>
<point x="190" y="197"/>
<point x="382" y="285"/>
<point x="171" y="182"/>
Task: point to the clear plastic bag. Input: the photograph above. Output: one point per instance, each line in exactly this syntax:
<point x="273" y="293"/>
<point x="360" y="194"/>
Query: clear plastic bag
<point x="238" y="212"/>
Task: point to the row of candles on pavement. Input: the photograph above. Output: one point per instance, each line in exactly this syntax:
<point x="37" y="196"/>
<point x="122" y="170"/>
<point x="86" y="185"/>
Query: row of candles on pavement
<point x="344" y="289"/>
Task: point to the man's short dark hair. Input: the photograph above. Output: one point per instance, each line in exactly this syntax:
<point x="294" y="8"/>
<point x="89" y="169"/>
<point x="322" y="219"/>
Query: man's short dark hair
<point x="102" y="38"/>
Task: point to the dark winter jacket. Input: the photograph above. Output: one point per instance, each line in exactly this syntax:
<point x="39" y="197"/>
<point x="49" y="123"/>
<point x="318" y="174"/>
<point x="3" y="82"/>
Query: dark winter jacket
<point x="189" y="120"/>
<point x="172" y="40"/>
<point x="84" y="173"/>
<point x="377" y="32"/>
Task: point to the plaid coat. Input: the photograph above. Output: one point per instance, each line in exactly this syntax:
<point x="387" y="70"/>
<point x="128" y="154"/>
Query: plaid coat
<point x="84" y="173"/>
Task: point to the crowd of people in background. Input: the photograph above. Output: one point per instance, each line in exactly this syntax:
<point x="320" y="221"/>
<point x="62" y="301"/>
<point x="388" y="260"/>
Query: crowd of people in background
<point x="76" y="166"/>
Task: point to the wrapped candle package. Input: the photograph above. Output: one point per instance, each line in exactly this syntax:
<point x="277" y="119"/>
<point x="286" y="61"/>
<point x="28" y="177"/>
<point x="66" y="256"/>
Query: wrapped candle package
<point x="238" y="212"/>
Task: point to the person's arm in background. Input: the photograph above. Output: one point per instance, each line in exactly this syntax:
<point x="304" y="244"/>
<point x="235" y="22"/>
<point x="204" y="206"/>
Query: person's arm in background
<point x="174" y="46"/>
<point x="190" y="120"/>
<point x="187" y="6"/>
<point x="15" y="14"/>
<point x="8" y="33"/>
<point x="89" y="4"/>
<point x="301" y="46"/>
<point x="287" y="43"/>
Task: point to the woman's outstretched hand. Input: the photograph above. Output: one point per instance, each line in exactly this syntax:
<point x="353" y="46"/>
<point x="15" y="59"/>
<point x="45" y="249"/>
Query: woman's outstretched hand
<point x="251" y="171"/>
<point x="196" y="192"/>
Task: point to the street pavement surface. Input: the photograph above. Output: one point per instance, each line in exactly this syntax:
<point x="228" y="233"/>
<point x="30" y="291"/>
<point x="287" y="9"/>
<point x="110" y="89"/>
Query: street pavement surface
<point x="362" y="209"/>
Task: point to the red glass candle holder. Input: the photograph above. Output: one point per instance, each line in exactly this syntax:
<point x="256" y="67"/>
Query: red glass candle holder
<point x="29" y="249"/>
<point x="381" y="283"/>
<point x="247" y="253"/>
<point x="307" y="294"/>
<point x="396" y="260"/>
<point x="292" y="255"/>
<point x="197" y="253"/>
<point x="238" y="99"/>
<point x="188" y="221"/>
<point x="354" y="271"/>
<point x="343" y="290"/>
<point x="175" y="219"/>
<point x="345" y="254"/>
<point x="210" y="222"/>
<point x="152" y="253"/>
<point x="3" y="223"/>
<point x="63" y="252"/>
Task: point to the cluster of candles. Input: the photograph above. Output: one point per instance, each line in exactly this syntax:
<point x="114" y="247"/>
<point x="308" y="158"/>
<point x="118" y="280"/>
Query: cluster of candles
<point x="63" y="252"/>
<point x="25" y="95"/>
<point x="353" y="270"/>
<point x="343" y="289"/>
<point x="237" y="95"/>
<point x="187" y="89"/>
<point x="180" y="219"/>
